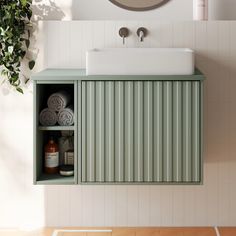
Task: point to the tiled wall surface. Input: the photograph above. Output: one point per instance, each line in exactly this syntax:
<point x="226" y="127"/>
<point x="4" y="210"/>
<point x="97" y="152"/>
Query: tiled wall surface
<point x="213" y="203"/>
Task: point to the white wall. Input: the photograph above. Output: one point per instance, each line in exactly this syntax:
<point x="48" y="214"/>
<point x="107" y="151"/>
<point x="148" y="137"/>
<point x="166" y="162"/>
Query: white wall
<point x="222" y="9"/>
<point x="25" y="205"/>
<point x="104" y="10"/>
<point x="210" y="204"/>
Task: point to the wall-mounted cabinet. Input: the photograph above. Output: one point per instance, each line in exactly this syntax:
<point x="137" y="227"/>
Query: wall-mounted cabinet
<point x="127" y="129"/>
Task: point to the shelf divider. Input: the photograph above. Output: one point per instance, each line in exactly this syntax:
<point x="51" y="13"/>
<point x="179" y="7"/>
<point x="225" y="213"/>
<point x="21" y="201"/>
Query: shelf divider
<point x="55" y="128"/>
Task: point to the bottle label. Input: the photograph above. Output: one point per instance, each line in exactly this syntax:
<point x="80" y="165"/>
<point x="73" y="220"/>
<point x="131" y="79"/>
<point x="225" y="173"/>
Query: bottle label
<point x="51" y="159"/>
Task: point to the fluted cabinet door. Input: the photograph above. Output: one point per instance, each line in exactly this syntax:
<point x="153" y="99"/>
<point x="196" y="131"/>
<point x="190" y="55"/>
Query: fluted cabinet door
<point x="141" y="132"/>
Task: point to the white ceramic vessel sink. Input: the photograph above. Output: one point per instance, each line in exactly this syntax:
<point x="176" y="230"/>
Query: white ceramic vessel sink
<point x="140" y="61"/>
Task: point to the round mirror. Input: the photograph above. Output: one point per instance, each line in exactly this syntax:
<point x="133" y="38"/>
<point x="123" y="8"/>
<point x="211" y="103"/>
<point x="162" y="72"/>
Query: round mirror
<point x="139" y="5"/>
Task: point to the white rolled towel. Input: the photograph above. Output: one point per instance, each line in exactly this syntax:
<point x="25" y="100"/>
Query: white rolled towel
<point x="58" y="101"/>
<point x="66" y="116"/>
<point x="48" y="117"/>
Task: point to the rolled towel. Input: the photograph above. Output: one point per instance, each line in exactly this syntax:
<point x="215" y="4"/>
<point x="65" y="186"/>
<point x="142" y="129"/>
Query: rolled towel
<point x="48" y="117"/>
<point x="66" y="116"/>
<point x="58" y="101"/>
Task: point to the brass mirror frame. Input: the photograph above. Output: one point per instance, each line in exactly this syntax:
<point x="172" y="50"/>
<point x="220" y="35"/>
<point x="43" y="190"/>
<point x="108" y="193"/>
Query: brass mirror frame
<point x="137" y="8"/>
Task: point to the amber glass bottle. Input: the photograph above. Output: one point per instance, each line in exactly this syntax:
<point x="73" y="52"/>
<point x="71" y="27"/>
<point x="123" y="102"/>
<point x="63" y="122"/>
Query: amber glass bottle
<point x="51" y="165"/>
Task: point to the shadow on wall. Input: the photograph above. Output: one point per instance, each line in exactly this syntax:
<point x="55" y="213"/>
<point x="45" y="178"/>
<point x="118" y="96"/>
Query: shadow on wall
<point x="47" y="10"/>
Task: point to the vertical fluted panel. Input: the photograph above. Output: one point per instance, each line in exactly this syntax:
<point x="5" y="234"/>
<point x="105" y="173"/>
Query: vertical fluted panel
<point x="177" y="131"/>
<point x="109" y="132"/>
<point x="148" y="131"/>
<point x="84" y="131"/>
<point x="119" y="131"/>
<point x="167" y="132"/>
<point x="138" y="131"/>
<point x="196" y="129"/>
<point x="158" y="131"/>
<point x="141" y="131"/>
<point x="187" y="130"/>
<point x="100" y="134"/>
<point x="129" y="131"/>
<point x="91" y="131"/>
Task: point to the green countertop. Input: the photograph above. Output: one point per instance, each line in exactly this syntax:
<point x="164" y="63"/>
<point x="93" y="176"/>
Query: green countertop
<point x="80" y="74"/>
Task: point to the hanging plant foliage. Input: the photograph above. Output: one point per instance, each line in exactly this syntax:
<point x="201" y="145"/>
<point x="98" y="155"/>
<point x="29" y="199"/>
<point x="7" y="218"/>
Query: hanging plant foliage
<point x="15" y="32"/>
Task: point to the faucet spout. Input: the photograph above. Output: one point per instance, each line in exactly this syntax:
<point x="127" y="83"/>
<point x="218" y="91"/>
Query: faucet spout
<point x="142" y="33"/>
<point x="141" y="36"/>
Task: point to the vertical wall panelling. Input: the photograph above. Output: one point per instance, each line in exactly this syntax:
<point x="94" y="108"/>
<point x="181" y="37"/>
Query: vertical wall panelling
<point x="224" y="146"/>
<point x="214" y="44"/>
<point x="232" y="133"/>
<point x="213" y="135"/>
<point x="200" y="45"/>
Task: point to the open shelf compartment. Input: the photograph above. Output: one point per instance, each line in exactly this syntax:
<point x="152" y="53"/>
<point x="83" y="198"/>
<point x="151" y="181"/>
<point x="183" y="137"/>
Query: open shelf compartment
<point x="41" y="133"/>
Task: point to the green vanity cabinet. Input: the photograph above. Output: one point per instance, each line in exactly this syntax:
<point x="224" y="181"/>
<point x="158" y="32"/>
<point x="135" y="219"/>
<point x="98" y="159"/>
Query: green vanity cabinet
<point x="129" y="129"/>
<point x="43" y="88"/>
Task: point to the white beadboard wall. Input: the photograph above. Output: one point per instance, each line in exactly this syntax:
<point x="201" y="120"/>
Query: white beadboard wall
<point x="213" y="203"/>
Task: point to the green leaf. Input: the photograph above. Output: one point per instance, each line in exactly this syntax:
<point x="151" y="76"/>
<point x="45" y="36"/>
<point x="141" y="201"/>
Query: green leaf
<point x="20" y="90"/>
<point x="31" y="64"/>
<point x="23" y="2"/>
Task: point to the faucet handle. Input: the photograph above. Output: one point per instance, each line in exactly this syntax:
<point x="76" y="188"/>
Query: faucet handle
<point x="142" y="33"/>
<point x="124" y="33"/>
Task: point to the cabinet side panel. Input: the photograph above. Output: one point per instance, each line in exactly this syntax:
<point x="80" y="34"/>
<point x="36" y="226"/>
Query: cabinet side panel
<point x="77" y="138"/>
<point x="187" y="131"/>
<point x="84" y="131"/>
<point x="196" y="117"/>
<point x="38" y="136"/>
